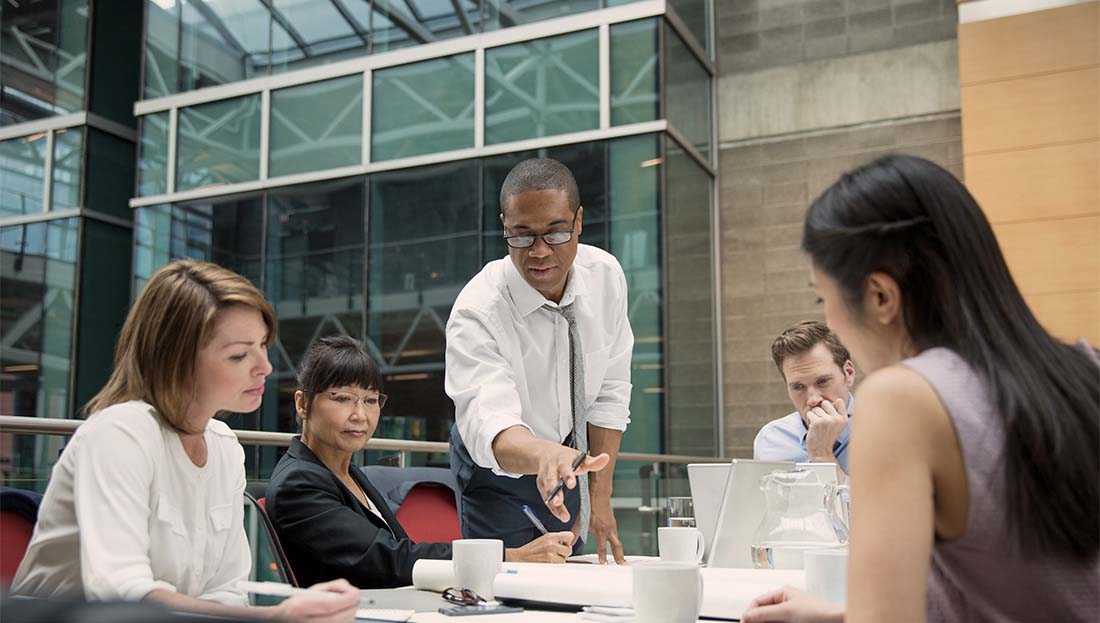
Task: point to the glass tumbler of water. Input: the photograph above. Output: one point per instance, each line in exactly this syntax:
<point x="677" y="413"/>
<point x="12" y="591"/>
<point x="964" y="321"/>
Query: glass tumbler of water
<point x="681" y="513"/>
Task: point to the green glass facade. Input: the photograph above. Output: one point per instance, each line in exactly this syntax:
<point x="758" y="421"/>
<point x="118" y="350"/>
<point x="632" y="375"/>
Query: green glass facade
<point x="360" y="198"/>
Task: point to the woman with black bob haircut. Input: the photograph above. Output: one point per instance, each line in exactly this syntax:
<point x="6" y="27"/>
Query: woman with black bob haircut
<point x="331" y="521"/>
<point x="974" y="463"/>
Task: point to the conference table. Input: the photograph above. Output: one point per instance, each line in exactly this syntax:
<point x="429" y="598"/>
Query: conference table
<point x="427" y="604"/>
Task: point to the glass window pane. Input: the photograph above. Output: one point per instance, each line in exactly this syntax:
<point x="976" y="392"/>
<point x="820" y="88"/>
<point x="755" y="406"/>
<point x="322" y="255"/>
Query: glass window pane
<point x="505" y="13"/>
<point x="688" y="93"/>
<point x="314" y="275"/>
<point x="222" y="41"/>
<point x="44" y="49"/>
<point x="161" y="48"/>
<point x="541" y="88"/>
<point x="22" y="169"/>
<point x="696" y="16"/>
<point x="152" y="243"/>
<point x="67" y="150"/>
<point x="153" y="161"/>
<point x="634" y="72"/>
<point x="219" y="143"/>
<point x="423" y="250"/>
<point x="633" y="172"/>
<point x="37" y="276"/>
<point x="691" y="365"/>
<point x="398" y="24"/>
<point x="317" y="126"/>
<point x="313" y="32"/>
<point x="422" y="108"/>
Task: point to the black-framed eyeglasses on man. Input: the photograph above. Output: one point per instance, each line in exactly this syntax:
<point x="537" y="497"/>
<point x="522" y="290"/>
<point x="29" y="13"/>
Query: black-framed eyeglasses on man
<point x="463" y="596"/>
<point x="524" y="241"/>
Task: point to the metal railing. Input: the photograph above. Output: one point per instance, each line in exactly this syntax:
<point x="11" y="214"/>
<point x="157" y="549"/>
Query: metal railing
<point x="59" y="426"/>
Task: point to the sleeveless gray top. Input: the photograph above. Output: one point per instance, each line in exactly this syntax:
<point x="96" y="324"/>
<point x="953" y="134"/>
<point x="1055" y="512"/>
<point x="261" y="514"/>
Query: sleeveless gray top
<point x="983" y="575"/>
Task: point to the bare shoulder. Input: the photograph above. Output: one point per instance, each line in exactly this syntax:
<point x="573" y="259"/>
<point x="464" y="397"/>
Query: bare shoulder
<point x="897" y="401"/>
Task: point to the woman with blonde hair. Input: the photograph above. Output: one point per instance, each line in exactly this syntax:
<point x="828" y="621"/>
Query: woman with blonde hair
<point x="145" y="502"/>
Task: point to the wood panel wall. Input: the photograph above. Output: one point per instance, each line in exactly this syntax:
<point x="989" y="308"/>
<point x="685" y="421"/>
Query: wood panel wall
<point x="1030" y="87"/>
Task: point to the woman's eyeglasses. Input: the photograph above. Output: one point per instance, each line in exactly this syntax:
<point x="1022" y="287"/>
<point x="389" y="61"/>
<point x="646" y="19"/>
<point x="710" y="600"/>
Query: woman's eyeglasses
<point x="348" y="399"/>
<point x="463" y="596"/>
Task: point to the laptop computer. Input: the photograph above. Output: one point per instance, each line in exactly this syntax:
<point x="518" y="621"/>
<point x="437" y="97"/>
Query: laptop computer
<point x="742" y="509"/>
<point x="708" y="485"/>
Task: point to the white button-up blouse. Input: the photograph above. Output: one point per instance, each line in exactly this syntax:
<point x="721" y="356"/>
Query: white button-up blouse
<point x="127" y="512"/>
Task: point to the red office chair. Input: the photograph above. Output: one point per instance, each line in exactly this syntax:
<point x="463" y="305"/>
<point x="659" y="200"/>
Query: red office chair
<point x="424" y="500"/>
<point x="429" y="514"/>
<point x="18" y="513"/>
<point x="15" y="535"/>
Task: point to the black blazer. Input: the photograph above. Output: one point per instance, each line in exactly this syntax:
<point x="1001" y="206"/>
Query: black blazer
<point x="328" y="534"/>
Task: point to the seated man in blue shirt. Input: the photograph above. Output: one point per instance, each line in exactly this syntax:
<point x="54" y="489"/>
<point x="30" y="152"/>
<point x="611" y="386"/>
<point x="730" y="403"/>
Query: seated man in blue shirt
<point x="819" y="376"/>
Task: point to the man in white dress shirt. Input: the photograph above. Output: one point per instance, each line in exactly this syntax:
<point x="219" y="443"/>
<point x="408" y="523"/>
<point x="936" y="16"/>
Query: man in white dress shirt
<point x="538" y="365"/>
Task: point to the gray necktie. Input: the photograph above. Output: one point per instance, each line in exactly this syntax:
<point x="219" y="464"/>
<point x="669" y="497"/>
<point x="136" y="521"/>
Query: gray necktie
<point x="576" y="385"/>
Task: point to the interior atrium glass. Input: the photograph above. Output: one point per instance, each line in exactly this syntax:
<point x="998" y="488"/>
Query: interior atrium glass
<point x="423" y="249"/>
<point x="505" y="13"/>
<point x="402" y="23"/>
<point x="542" y="88"/>
<point x="687" y="93"/>
<point x="423" y="107"/>
<point x="22" y="168"/>
<point x="221" y="41"/>
<point x="67" y="157"/>
<point x="634" y="223"/>
<point x="153" y="154"/>
<point x="317" y="126"/>
<point x="315" y="258"/>
<point x="634" y="94"/>
<point x="218" y="143"/>
<point x="38" y="278"/>
<point x="43" y="53"/>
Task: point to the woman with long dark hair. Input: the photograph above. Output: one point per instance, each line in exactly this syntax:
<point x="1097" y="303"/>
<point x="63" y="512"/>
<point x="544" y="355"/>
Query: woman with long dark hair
<point x="974" y="461"/>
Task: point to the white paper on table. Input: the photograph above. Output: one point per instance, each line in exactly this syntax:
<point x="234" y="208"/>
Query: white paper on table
<point x="726" y="592"/>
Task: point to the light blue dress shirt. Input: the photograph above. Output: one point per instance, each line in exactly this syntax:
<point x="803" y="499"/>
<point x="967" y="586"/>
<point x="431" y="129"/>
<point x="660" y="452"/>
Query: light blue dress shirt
<point x="785" y="440"/>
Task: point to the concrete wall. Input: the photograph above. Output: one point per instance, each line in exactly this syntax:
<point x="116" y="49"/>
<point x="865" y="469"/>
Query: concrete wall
<point x="807" y="90"/>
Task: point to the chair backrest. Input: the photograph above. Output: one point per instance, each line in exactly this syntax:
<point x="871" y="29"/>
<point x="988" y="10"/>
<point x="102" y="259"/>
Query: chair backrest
<point x="15" y="536"/>
<point x="18" y="514"/>
<point x="429" y="514"/>
<point x="425" y="500"/>
<point x="275" y="558"/>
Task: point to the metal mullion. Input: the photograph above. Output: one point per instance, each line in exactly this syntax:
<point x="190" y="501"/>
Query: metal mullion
<point x="605" y="76"/>
<point x="368" y="77"/>
<point x="47" y="168"/>
<point x="173" y="129"/>
<point x="479" y="98"/>
<point x="265" y="133"/>
<point x="689" y="40"/>
<point x="690" y="150"/>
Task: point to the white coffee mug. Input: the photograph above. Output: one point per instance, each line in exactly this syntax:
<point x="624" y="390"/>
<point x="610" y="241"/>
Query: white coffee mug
<point x="680" y="544"/>
<point x="827" y="573"/>
<point x="477" y="563"/>
<point x="667" y="592"/>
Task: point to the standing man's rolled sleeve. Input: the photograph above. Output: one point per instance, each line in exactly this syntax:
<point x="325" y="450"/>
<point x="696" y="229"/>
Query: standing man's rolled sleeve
<point x="612" y="406"/>
<point x="482" y="386"/>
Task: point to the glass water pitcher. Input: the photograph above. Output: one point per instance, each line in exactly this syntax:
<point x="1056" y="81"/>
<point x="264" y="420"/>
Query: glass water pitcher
<point x="801" y="513"/>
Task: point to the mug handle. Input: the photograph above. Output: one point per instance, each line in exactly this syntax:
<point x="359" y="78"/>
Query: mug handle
<point x="700" y="547"/>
